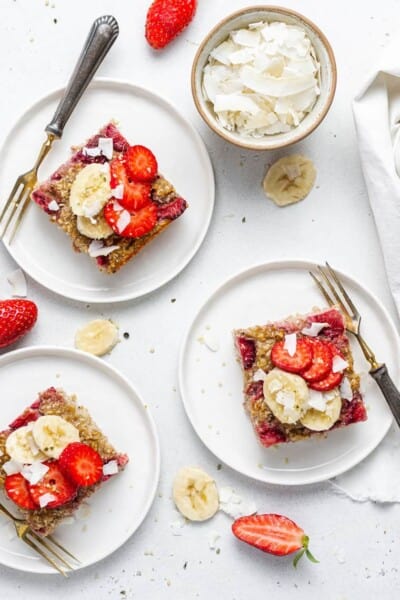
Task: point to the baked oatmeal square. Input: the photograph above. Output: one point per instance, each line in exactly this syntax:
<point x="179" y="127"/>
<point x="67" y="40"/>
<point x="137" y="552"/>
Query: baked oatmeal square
<point x="299" y="377"/>
<point x="110" y="199"/>
<point x="53" y="456"/>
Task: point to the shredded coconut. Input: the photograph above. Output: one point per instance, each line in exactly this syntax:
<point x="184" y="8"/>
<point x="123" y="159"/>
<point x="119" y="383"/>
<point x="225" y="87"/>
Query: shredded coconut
<point x="263" y="79"/>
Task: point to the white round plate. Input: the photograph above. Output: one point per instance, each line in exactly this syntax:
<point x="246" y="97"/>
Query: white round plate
<point x="119" y="506"/>
<point x="45" y="252"/>
<point x="211" y="381"/>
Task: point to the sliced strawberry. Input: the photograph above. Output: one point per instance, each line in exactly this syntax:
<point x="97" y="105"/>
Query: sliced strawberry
<point x="56" y="483"/>
<point x="17" y="489"/>
<point x="81" y="463"/>
<point x="331" y="380"/>
<point x="321" y="364"/>
<point x="141" y="164"/>
<point x="247" y="350"/>
<point x="141" y="221"/>
<point x="274" y="534"/>
<point x="135" y="194"/>
<point x="300" y="361"/>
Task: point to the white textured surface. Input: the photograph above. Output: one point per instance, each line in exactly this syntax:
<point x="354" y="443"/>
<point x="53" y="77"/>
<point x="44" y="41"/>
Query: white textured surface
<point x="357" y="544"/>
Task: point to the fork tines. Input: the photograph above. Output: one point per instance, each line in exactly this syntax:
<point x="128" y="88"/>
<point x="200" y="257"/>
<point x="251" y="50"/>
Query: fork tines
<point x="334" y="293"/>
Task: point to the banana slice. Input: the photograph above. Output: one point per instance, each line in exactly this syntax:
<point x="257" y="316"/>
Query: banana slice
<point x="21" y="446"/>
<point x="286" y="395"/>
<point x="95" y="228"/>
<point x="324" y="419"/>
<point x="91" y="190"/>
<point x="97" y="337"/>
<point x="195" y="494"/>
<point x="289" y="179"/>
<point x="53" y="433"/>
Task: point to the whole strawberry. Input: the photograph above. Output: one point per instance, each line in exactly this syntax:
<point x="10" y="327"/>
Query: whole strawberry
<point x="166" y="19"/>
<point x="17" y="317"/>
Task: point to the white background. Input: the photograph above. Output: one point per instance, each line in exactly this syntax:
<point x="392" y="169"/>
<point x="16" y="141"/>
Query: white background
<point x="358" y="545"/>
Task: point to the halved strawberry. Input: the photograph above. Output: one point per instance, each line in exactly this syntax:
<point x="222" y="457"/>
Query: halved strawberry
<point x="82" y="464"/>
<point x="56" y="483"/>
<point x="17" y="489"/>
<point x="135" y="194"/>
<point x="331" y="380"/>
<point x="274" y="534"/>
<point x="300" y="361"/>
<point x="141" y="221"/>
<point x="141" y="164"/>
<point x="321" y="364"/>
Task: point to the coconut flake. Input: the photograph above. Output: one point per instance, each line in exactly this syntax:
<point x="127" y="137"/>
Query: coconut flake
<point x="339" y="364"/>
<point x="233" y="505"/>
<point x="345" y="389"/>
<point x="246" y="37"/>
<point x="53" y="206"/>
<point x="314" y="329"/>
<point x="97" y="248"/>
<point x="110" y="468"/>
<point x="93" y="152"/>
<point x="317" y="400"/>
<point x="34" y="472"/>
<point x="123" y="220"/>
<point x="177" y="525"/>
<point x="44" y="499"/>
<point x="213" y="538"/>
<point x="118" y="191"/>
<point x="210" y="342"/>
<point x="290" y="344"/>
<point x="18" y="283"/>
<point x="259" y="375"/>
<point x="106" y="147"/>
<point x="11" y="467"/>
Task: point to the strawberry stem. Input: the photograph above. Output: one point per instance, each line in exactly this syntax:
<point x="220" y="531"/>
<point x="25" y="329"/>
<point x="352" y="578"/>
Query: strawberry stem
<point x="305" y="550"/>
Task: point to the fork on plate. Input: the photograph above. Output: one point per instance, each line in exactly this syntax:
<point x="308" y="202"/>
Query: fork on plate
<point x="47" y="547"/>
<point x="335" y="294"/>
<point x="102" y="35"/>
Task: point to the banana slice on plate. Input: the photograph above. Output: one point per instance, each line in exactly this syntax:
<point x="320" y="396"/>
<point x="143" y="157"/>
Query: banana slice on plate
<point x="95" y="228"/>
<point x="21" y="446"/>
<point x="97" y="337"/>
<point x="286" y="395"/>
<point x="90" y="190"/>
<point x="289" y="179"/>
<point x="195" y="494"/>
<point x="53" y="433"/>
<point x="326" y="417"/>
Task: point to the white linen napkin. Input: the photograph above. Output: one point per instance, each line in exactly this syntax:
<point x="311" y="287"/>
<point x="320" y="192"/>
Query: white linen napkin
<point x="377" y="118"/>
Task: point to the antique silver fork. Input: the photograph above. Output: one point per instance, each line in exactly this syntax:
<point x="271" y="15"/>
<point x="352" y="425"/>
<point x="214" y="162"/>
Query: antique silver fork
<point x="102" y="35"/>
<point x="335" y="294"/>
<point x="47" y="547"/>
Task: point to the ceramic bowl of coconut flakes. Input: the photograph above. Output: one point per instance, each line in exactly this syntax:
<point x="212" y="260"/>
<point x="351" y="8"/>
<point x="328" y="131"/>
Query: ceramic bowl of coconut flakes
<point x="264" y="78"/>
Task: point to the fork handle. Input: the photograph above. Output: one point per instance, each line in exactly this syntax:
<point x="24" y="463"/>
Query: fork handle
<point x="102" y="35"/>
<point x="388" y="389"/>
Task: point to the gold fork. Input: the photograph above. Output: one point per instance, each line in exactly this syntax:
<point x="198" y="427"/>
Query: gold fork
<point x="335" y="294"/>
<point x="102" y="35"/>
<point x="40" y="544"/>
